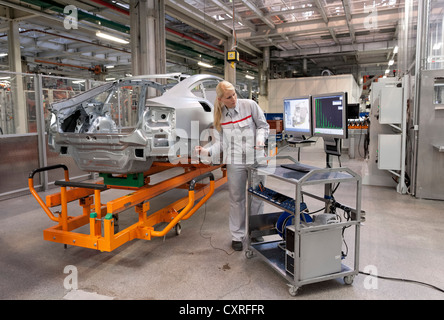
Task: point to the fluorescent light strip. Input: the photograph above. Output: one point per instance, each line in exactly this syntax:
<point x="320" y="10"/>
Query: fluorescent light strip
<point x="205" y="65"/>
<point x="110" y="37"/>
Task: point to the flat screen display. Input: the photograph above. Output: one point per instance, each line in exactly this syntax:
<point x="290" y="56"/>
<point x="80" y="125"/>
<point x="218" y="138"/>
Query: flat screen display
<point x="297" y="116"/>
<point x="330" y="115"/>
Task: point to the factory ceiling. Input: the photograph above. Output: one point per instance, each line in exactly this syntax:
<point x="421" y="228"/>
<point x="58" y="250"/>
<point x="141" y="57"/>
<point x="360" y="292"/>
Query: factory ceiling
<point x="294" y="37"/>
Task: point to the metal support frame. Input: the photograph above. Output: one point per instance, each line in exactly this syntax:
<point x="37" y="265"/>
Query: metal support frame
<point x="103" y="216"/>
<point x="270" y="251"/>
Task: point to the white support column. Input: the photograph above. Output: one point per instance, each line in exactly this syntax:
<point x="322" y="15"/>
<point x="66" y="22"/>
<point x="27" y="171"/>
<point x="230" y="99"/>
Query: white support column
<point x="41" y="137"/>
<point x="264" y="71"/>
<point x="263" y="80"/>
<point x="15" y="65"/>
<point x="148" y="37"/>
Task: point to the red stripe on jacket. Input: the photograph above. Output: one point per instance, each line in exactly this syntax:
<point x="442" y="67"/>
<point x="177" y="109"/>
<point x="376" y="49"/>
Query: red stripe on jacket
<point x="225" y="123"/>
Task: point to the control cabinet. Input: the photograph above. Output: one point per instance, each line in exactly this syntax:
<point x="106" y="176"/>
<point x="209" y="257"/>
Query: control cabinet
<point x="304" y="247"/>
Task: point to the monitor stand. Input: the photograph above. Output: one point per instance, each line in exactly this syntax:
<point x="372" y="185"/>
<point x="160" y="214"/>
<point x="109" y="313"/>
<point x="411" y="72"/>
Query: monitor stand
<point x="332" y="146"/>
<point x="297" y="139"/>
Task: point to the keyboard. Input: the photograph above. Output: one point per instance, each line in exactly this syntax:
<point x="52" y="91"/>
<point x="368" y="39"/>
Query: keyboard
<point x="298" y="167"/>
<point x="297" y="140"/>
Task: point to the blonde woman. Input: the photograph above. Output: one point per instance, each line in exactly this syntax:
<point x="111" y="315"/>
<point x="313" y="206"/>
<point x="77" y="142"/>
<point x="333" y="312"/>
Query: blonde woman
<point x="242" y="129"/>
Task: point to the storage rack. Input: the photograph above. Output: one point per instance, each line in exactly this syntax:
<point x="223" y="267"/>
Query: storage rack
<point x="308" y="250"/>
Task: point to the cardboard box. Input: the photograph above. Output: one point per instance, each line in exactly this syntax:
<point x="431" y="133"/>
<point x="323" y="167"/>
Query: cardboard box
<point x="276" y="125"/>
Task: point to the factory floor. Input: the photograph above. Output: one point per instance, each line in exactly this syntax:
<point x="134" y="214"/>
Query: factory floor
<point x="401" y="238"/>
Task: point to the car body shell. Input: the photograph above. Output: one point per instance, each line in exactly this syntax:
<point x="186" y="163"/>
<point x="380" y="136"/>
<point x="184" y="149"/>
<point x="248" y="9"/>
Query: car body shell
<point x="116" y="128"/>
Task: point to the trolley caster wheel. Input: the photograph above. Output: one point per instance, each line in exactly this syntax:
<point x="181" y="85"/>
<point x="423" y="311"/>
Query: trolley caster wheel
<point x="178" y="229"/>
<point x="249" y="254"/>
<point x="348" y="279"/>
<point x="293" y="290"/>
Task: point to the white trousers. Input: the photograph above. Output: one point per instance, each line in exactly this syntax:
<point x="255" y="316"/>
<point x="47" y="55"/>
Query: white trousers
<point x="237" y="176"/>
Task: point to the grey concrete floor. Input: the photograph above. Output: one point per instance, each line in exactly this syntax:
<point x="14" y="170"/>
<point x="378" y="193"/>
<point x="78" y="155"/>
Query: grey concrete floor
<point x="402" y="238"/>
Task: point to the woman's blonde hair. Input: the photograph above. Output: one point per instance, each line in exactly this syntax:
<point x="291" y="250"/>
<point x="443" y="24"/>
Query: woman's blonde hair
<point x="221" y="88"/>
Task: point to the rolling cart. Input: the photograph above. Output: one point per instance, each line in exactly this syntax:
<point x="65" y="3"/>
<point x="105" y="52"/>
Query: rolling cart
<point x="304" y="248"/>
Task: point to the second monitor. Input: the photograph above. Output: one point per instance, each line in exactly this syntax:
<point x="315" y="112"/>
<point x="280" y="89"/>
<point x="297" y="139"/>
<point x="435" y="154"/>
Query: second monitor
<point x="330" y="115"/>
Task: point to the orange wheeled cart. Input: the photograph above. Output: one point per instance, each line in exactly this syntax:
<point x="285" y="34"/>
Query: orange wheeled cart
<point x="102" y="217"/>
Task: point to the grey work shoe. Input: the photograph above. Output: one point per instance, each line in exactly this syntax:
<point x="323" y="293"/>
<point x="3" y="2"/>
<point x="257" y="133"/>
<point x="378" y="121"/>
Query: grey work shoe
<point x="236" y="245"/>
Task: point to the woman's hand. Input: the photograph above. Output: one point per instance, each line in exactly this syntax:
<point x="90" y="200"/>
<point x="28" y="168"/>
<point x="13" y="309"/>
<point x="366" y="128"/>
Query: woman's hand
<point x="259" y="145"/>
<point x="201" y="150"/>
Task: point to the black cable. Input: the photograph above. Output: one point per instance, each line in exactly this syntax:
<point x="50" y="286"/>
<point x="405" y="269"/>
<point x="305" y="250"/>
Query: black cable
<point x="335" y="188"/>
<point x="344" y="254"/>
<point x="209" y="238"/>
<point x="347" y="217"/>
<point x="404" y="280"/>
<point x="323" y="208"/>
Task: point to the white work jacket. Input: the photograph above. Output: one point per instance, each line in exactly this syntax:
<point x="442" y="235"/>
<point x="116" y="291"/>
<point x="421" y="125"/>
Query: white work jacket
<point x="242" y="129"/>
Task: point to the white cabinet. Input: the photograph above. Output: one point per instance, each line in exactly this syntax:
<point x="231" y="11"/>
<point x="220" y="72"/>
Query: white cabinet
<point x="390" y="105"/>
<point x="389" y="152"/>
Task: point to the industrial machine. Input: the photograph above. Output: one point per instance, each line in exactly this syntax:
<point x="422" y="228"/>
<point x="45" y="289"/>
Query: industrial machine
<point x="302" y="246"/>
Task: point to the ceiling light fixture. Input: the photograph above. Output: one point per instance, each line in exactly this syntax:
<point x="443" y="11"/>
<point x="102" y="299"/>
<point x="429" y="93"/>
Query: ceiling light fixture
<point x="391" y="62"/>
<point x="3" y="54"/>
<point x="395" y="50"/>
<point x="110" y="37"/>
<point x="205" y="65"/>
<point x="437" y="46"/>
<point x="249" y="77"/>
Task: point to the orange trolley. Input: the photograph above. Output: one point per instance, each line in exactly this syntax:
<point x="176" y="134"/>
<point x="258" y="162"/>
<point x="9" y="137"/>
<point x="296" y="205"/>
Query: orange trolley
<point x="102" y="218"/>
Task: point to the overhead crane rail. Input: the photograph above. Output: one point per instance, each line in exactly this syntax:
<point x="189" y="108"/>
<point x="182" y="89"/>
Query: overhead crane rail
<point x="102" y="217"/>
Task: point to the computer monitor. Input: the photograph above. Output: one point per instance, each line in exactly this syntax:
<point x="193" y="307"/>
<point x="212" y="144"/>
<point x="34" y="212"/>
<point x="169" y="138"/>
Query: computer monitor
<point x="297" y="116"/>
<point x="353" y="111"/>
<point x="329" y="112"/>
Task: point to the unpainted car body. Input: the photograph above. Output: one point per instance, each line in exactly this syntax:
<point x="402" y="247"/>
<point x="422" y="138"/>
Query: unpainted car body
<point x="118" y="128"/>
